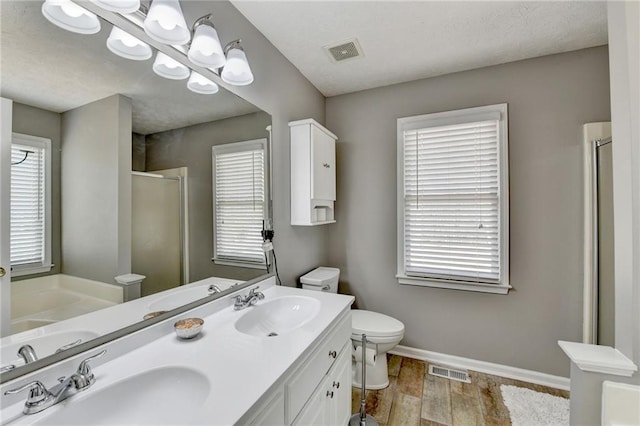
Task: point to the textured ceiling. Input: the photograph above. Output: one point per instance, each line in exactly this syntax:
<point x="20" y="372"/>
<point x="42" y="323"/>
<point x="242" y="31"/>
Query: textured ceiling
<point x="50" y="68"/>
<point x="404" y="40"/>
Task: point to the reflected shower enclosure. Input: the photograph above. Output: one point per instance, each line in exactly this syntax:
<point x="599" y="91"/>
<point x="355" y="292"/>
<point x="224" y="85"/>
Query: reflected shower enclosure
<point x="158" y="246"/>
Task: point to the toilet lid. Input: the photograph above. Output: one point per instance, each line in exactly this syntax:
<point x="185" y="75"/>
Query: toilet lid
<point x="375" y="324"/>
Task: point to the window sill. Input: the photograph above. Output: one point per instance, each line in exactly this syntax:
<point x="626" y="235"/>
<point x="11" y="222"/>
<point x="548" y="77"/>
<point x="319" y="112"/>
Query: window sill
<point x="455" y="285"/>
<point x="17" y="271"/>
<point x="239" y="264"/>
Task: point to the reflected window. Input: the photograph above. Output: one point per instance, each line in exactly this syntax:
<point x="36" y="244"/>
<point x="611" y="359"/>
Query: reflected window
<point x="30" y="205"/>
<point x="239" y="203"/>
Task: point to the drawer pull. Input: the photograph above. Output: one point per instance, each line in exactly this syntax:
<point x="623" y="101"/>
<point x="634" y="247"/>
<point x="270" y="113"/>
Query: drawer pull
<point x="330" y="394"/>
<point x="336" y="385"/>
<point x="333" y="354"/>
<point x="326" y="165"/>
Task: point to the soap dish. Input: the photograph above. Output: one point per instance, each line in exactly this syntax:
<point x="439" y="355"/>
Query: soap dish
<point x="188" y="328"/>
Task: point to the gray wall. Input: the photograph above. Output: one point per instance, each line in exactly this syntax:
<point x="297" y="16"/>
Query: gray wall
<point x="96" y="188"/>
<point x="282" y="91"/>
<point x="138" y="152"/>
<point x="549" y="99"/>
<point x="191" y="147"/>
<point x="34" y="121"/>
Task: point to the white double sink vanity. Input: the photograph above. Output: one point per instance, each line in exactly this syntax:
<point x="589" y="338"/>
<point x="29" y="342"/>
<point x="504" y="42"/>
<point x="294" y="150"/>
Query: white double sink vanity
<point x="286" y="360"/>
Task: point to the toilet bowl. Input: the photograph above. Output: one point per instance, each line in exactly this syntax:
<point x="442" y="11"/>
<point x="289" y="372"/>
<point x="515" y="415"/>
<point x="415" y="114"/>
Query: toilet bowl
<point x="382" y="331"/>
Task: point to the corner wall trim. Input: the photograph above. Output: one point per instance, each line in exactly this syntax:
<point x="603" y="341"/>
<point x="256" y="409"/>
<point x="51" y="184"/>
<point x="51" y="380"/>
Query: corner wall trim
<point x="530" y="376"/>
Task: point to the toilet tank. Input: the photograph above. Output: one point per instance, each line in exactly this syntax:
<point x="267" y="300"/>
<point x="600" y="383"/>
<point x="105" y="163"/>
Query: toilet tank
<point x="321" y="279"/>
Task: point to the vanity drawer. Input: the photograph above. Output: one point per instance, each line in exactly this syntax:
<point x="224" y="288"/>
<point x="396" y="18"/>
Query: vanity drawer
<point x="313" y="369"/>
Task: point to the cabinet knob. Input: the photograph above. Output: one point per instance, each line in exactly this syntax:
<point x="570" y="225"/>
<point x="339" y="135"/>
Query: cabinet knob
<point x="333" y="354"/>
<point x="2" y="272"/>
<point x="326" y="165"/>
<point x="336" y="385"/>
<point x="330" y="394"/>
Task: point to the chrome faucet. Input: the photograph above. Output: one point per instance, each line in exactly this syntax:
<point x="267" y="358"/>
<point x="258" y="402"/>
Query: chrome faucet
<point x="27" y="353"/>
<point x="40" y="398"/>
<point x="249" y="300"/>
<point x="213" y="289"/>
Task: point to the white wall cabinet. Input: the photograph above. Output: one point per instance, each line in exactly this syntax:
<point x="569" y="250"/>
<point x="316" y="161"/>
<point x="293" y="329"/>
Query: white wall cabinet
<point x="313" y="173"/>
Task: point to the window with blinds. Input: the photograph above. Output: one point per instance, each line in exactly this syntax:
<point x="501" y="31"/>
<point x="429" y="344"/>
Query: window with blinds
<point x="239" y="202"/>
<point x="453" y="199"/>
<point x="30" y="206"/>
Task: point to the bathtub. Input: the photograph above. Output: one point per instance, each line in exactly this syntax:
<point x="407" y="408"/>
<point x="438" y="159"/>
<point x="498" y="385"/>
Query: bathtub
<point x="45" y="300"/>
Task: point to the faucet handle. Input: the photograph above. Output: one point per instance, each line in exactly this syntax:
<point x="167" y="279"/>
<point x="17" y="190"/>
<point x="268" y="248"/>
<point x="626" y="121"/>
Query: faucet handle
<point x="37" y="392"/>
<point x="253" y="292"/>
<point x="84" y="376"/>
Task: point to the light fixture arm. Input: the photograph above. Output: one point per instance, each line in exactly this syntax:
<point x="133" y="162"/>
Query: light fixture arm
<point x="235" y="44"/>
<point x="203" y="20"/>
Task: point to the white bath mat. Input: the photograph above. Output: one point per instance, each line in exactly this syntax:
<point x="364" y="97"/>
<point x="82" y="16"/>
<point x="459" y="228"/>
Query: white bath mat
<point x="531" y="408"/>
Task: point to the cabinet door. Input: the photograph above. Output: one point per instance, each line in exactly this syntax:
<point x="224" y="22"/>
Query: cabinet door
<point x="323" y="165"/>
<point x="340" y="384"/>
<point x="315" y="412"/>
<point x="270" y="413"/>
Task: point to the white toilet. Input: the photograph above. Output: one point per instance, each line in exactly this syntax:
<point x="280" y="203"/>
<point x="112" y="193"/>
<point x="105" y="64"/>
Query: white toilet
<point x="383" y="332"/>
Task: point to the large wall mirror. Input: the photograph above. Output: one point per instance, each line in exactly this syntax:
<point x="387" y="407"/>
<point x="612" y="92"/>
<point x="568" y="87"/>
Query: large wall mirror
<point x="129" y="179"/>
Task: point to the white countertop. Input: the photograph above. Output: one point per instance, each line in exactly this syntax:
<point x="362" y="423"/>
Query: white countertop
<point x="240" y="368"/>
<point x="104" y="321"/>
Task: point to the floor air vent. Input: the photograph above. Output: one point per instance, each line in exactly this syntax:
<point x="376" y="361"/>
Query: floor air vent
<point x="449" y="373"/>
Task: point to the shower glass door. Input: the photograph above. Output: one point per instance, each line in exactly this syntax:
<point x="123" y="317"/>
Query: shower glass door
<point x="157" y="231"/>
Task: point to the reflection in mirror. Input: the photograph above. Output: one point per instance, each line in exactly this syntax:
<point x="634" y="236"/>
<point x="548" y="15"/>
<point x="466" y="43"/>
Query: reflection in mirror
<point x="122" y="211"/>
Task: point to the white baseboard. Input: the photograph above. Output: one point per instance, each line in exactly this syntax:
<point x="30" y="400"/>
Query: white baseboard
<point x="544" y="379"/>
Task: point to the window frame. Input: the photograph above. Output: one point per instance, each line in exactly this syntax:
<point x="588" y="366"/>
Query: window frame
<point x="445" y="118"/>
<point x="228" y="148"/>
<point x="45" y="265"/>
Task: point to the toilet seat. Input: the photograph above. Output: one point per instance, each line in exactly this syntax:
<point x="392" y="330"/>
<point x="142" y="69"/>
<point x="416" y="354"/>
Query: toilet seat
<point x="378" y="327"/>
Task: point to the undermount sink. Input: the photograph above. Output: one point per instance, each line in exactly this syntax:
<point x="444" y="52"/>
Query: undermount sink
<point x="162" y="396"/>
<point x="278" y="316"/>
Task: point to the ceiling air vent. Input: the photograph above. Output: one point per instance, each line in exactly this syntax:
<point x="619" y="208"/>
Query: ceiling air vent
<point x="344" y="50"/>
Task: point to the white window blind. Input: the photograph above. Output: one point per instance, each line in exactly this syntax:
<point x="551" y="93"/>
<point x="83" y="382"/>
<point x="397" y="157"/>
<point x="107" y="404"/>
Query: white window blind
<point x="451" y="199"/>
<point x="239" y="201"/>
<point x="29" y="203"/>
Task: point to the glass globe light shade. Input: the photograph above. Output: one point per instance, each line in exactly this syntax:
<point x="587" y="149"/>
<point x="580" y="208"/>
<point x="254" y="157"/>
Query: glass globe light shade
<point x="205" y="49"/>
<point x="199" y="84"/>
<point x="169" y="68"/>
<point x="165" y="23"/>
<point x="71" y="17"/>
<point x="237" y="71"/>
<point x="127" y="46"/>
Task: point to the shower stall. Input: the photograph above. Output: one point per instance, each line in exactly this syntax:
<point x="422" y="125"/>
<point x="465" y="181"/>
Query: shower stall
<point x="159" y="246"/>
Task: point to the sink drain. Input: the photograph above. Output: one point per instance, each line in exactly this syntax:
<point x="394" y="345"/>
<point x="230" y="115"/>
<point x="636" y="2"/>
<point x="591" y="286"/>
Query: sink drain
<point x="272" y="334"/>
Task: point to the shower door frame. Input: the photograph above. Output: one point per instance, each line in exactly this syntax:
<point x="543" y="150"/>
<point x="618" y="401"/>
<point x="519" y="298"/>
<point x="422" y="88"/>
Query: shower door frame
<point x="593" y="135"/>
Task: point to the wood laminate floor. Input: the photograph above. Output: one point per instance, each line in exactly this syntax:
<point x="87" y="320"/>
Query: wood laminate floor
<point x="416" y="398"/>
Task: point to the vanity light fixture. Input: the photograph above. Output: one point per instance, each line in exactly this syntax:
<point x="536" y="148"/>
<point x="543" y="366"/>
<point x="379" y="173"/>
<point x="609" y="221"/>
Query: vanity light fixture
<point x="236" y="71"/>
<point x="169" y="68"/>
<point x="127" y="46"/>
<point x="119" y="6"/>
<point x="165" y="23"/>
<point x="71" y="17"/>
<point x="202" y="85"/>
<point x="206" y="50"/>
